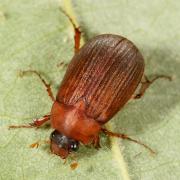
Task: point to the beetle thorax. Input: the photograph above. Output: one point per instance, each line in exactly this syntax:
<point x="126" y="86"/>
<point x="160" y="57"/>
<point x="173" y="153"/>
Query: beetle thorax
<point x="71" y="120"/>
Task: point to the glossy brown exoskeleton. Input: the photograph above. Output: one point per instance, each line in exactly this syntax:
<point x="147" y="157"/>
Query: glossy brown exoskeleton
<point x="101" y="77"/>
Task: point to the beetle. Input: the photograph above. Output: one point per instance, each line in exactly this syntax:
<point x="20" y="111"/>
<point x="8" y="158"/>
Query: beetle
<point x="100" y="79"/>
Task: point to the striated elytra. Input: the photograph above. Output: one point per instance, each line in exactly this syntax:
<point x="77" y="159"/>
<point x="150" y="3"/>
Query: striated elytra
<point x="101" y="77"/>
<point x="99" y="80"/>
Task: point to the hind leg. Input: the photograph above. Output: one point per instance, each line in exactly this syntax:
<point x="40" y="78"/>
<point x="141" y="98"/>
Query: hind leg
<point x="77" y="31"/>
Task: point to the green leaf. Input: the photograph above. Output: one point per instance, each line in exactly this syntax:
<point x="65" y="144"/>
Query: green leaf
<point x="36" y="35"/>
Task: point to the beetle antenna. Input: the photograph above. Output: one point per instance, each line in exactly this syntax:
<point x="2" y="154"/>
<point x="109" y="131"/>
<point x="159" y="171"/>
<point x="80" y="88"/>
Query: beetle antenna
<point x="124" y="136"/>
<point x="38" y="143"/>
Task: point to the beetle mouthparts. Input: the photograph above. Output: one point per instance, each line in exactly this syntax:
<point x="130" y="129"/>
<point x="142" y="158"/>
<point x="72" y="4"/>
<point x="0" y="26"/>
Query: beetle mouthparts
<point x="55" y="149"/>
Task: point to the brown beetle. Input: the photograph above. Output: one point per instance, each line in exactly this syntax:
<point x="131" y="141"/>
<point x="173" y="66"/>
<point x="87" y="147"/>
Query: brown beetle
<point x="101" y="77"/>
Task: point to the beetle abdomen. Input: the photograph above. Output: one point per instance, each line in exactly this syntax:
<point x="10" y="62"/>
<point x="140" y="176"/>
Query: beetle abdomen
<point x="105" y="73"/>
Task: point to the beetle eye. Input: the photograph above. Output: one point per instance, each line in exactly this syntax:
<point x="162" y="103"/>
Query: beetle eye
<point x="74" y="146"/>
<point x="64" y="142"/>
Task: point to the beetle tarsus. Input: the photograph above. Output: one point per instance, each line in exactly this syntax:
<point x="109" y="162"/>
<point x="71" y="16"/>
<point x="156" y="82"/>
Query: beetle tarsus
<point x="37" y="123"/>
<point x="20" y="126"/>
<point x="48" y="86"/>
<point x="124" y="136"/>
<point x="146" y="83"/>
<point x="77" y="31"/>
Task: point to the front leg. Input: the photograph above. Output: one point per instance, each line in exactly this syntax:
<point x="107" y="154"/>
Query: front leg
<point x="126" y="137"/>
<point x="36" y="123"/>
<point x="96" y="142"/>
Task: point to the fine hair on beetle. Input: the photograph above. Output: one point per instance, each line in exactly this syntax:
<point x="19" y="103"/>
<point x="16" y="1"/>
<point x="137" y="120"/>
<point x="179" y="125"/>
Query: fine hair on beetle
<point x="101" y="78"/>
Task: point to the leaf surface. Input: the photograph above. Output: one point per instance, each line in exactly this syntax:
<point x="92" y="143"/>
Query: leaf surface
<point x="36" y="35"/>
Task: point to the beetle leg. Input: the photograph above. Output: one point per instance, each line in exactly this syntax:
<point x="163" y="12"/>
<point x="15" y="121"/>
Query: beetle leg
<point x="145" y="84"/>
<point x="48" y="86"/>
<point x="77" y="32"/>
<point x="96" y="143"/>
<point x="124" y="136"/>
<point x="37" y="123"/>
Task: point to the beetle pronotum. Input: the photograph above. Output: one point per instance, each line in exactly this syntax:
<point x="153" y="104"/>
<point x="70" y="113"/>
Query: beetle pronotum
<point x="101" y="77"/>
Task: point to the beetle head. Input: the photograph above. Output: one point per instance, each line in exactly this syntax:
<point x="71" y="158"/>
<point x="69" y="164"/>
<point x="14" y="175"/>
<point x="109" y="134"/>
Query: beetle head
<point x="61" y="145"/>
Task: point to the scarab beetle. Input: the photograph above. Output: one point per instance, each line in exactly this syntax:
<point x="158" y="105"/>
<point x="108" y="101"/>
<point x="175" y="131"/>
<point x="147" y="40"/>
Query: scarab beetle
<point x="101" y="77"/>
